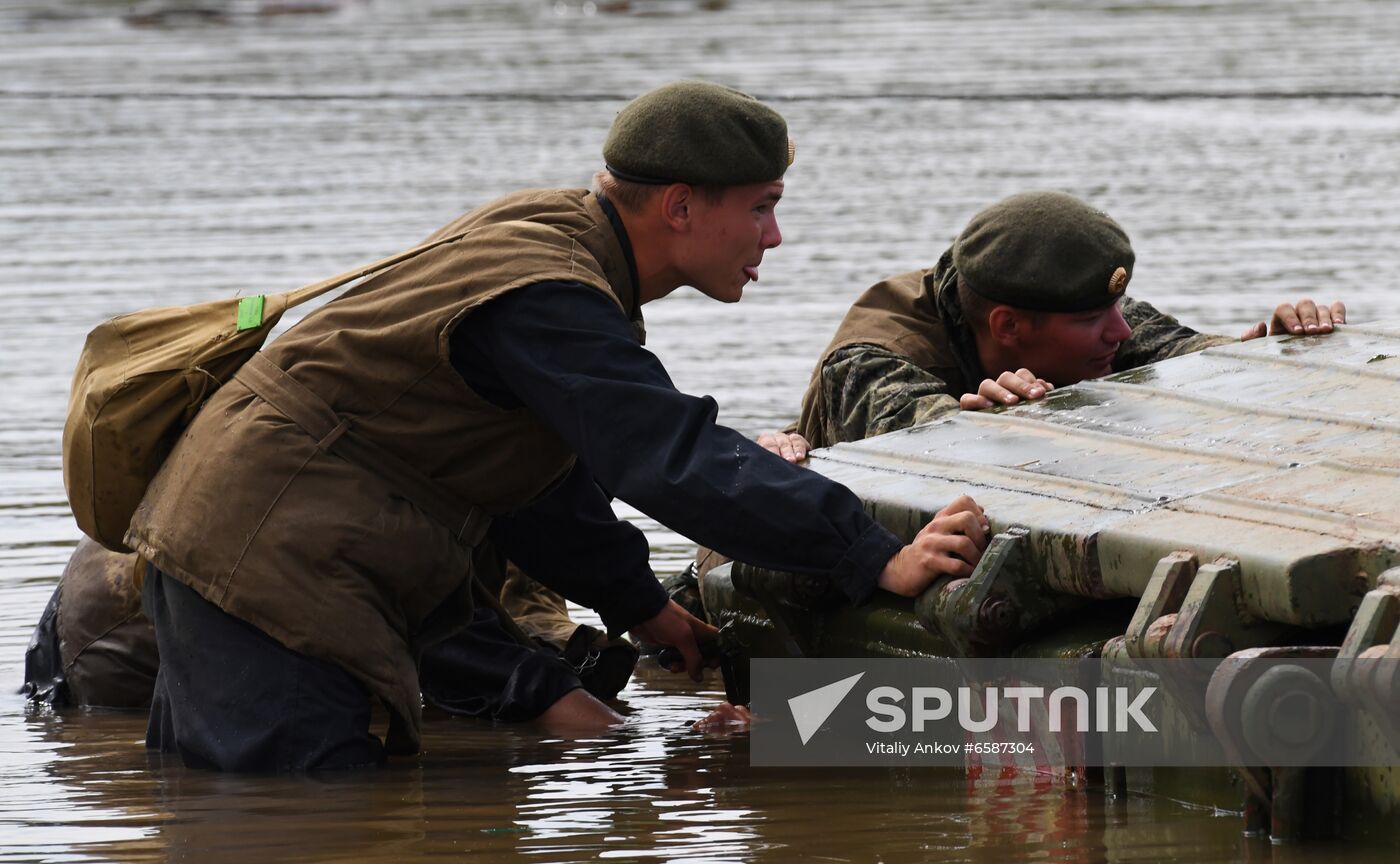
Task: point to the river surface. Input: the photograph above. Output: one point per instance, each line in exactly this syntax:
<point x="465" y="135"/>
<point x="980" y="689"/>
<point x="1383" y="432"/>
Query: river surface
<point x="150" y="156"/>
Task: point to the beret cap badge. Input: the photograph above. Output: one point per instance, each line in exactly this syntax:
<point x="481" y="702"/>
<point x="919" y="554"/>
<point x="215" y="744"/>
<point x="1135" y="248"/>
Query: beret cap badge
<point x="1047" y="251"/>
<point x="792" y="151"/>
<point x="1118" y="282"/>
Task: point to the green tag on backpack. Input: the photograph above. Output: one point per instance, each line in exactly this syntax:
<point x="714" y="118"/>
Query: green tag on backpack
<point x="250" y="313"/>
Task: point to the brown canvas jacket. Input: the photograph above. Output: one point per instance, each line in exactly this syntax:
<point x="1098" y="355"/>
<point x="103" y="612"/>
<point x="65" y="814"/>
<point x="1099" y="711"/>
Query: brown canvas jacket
<point x="326" y="556"/>
<point x="905" y="315"/>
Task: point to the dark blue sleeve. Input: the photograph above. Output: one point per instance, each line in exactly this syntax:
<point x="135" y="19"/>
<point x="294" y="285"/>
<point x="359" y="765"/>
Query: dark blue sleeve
<point x="570" y="540"/>
<point x="569" y="354"/>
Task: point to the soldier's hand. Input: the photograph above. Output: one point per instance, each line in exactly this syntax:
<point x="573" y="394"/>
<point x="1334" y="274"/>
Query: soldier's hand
<point x="678" y="628"/>
<point x="1008" y="389"/>
<point x="734" y="717"/>
<point x="1302" y="318"/>
<point x="949" y="545"/>
<point x="965" y="504"/>
<point x="789" y="445"/>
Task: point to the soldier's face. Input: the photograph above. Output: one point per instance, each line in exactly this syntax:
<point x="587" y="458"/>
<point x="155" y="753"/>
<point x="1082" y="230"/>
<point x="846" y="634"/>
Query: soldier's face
<point x="1067" y="347"/>
<point x="729" y="237"/>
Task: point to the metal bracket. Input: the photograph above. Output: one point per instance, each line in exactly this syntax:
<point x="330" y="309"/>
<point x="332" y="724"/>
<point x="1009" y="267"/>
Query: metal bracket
<point x="1161" y="600"/>
<point x="1193" y="612"/>
<point x="999" y="603"/>
<point x="1210" y="624"/>
<point x="1190" y="611"/>
<point x="1367" y="670"/>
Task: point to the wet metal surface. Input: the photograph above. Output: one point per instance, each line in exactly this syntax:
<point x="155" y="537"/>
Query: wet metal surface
<point x="1235" y="531"/>
<point x="1110" y="476"/>
<point x="148" y="157"/>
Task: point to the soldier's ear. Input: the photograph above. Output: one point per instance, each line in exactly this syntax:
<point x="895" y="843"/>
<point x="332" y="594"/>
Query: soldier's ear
<point x="1004" y="324"/>
<point x="676" y="208"/>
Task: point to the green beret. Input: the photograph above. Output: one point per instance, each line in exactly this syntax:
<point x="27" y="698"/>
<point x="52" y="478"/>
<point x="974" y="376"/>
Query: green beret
<point x="699" y="133"/>
<point x="1046" y="251"/>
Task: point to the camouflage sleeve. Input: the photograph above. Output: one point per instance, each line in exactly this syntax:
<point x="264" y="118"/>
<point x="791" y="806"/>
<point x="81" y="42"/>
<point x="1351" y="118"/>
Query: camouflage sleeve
<point x="869" y="391"/>
<point x="1157" y="336"/>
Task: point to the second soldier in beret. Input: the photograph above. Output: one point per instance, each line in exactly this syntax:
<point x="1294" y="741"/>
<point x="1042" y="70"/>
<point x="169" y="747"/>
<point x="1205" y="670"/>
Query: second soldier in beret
<point x="1031" y="295"/>
<point x="502" y="380"/>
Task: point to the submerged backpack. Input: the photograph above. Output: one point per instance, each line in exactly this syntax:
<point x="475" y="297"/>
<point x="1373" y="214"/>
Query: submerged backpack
<point x="142" y="377"/>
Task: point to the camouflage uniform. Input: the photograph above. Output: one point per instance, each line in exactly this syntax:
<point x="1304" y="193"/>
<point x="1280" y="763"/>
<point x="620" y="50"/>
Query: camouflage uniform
<point x="914" y="371"/>
<point x="871" y="390"/>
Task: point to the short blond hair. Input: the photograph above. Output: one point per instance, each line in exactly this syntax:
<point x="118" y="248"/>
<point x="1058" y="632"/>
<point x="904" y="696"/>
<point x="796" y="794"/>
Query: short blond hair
<point x="627" y="194"/>
<point x="633" y="196"/>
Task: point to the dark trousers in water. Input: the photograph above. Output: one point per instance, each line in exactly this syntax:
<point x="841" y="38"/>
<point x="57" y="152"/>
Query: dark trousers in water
<point x="230" y="697"/>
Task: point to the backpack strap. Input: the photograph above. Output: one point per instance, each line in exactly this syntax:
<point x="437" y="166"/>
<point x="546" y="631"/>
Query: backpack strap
<point x="308" y="292"/>
<point x="334" y="433"/>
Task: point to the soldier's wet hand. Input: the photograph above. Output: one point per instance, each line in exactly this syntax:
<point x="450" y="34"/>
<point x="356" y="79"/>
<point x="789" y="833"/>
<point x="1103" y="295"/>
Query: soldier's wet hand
<point x="965" y="504"/>
<point x="789" y="445"/>
<point x="727" y="717"/>
<point x="949" y="545"/>
<point x="1008" y="389"/>
<point x="678" y="628"/>
<point x="1298" y="319"/>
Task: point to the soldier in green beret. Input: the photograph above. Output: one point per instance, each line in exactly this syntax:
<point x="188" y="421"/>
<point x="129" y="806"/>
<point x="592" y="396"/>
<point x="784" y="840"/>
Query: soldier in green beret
<point x="501" y="380"/>
<point x="1030" y="296"/>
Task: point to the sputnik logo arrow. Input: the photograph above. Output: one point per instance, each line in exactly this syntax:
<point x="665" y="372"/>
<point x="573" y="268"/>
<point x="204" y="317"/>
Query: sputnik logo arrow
<point x="810" y="710"/>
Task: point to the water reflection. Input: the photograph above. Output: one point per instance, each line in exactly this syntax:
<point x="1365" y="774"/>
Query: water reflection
<point x="169" y="164"/>
<point x="652" y="791"/>
<point x="81" y="786"/>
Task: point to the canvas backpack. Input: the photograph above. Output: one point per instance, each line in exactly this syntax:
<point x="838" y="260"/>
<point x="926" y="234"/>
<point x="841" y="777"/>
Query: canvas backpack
<point x="141" y="378"/>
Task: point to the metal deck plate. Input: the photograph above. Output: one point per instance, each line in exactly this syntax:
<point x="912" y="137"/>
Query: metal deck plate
<point x="1282" y="453"/>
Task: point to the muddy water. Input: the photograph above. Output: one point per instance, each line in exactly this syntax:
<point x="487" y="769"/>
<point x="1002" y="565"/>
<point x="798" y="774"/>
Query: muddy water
<point x="151" y="157"/>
